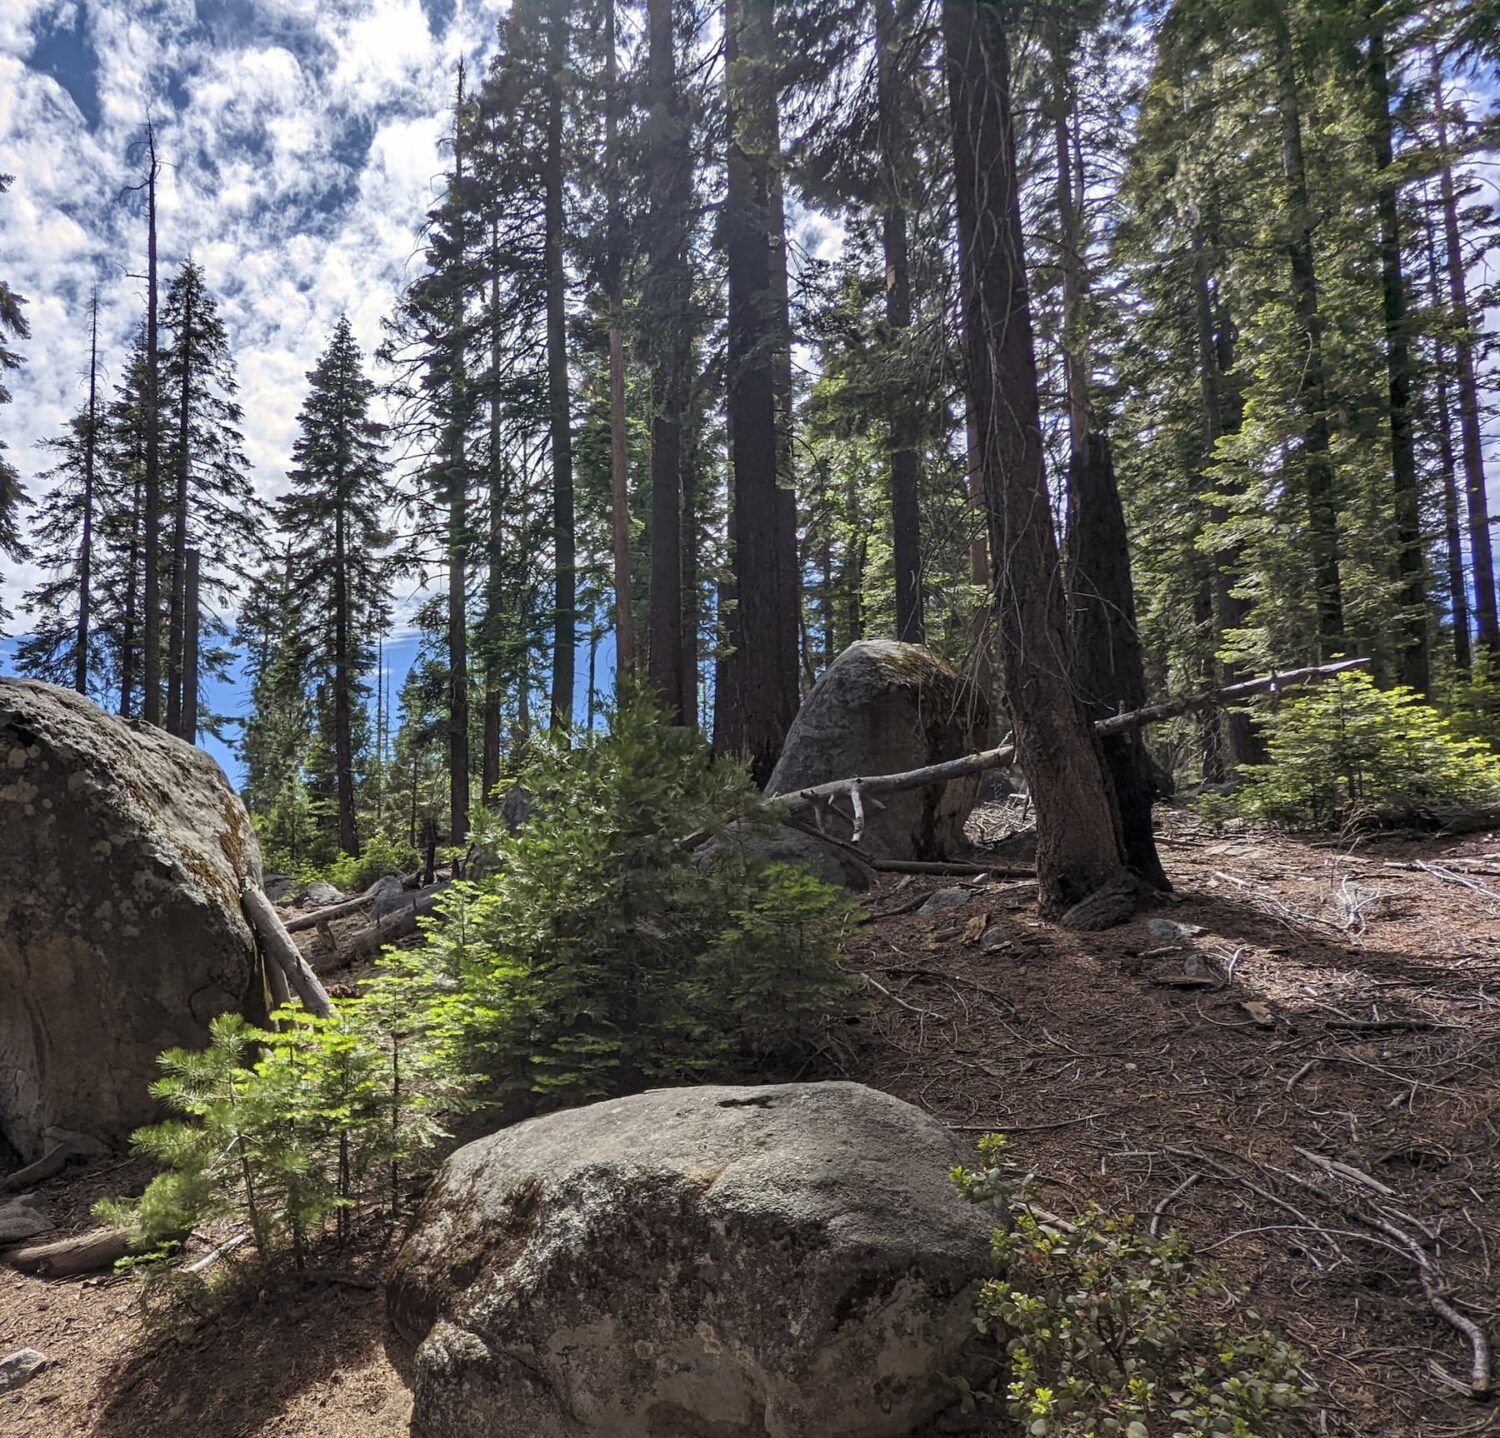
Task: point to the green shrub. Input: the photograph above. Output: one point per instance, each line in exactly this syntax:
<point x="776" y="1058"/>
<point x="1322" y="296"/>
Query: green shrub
<point x="599" y="958"/>
<point x="1473" y="702"/>
<point x="284" y="1129"/>
<point x="1109" y="1332"/>
<point x="379" y="855"/>
<point x="1348" y="751"/>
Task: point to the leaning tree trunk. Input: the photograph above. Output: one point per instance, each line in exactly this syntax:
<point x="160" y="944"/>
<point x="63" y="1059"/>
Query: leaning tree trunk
<point x="1078" y="843"/>
<point x="151" y="546"/>
<point x="1110" y="669"/>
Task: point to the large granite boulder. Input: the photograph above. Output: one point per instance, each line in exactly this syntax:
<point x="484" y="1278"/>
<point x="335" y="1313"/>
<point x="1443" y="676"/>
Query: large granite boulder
<point x="886" y="708"/>
<point x="122" y="853"/>
<point x="768" y="1262"/>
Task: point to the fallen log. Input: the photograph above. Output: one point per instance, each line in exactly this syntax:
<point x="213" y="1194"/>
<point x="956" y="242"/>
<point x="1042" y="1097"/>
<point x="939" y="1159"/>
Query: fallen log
<point x="366" y="943"/>
<point x="64" y="1257"/>
<point x="277" y="944"/>
<point x="956" y="868"/>
<point x="47" y="1166"/>
<point x="860" y="788"/>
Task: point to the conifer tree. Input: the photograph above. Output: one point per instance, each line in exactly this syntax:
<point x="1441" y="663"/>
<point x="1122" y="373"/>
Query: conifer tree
<point x="13" y="326"/>
<point x="212" y="505"/>
<point x="334" y="517"/>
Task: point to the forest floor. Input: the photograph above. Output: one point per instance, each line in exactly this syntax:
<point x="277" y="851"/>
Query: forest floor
<point x="1299" y="1005"/>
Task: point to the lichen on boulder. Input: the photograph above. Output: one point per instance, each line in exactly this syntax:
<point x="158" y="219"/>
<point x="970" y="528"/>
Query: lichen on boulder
<point x="781" y="1261"/>
<point x="122" y="854"/>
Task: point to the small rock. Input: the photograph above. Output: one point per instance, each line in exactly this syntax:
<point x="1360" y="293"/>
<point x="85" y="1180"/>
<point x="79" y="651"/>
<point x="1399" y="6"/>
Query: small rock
<point x="318" y="895"/>
<point x="20" y="1367"/>
<point x="1171" y="929"/>
<point x="954" y="898"/>
<point x="20" y="1221"/>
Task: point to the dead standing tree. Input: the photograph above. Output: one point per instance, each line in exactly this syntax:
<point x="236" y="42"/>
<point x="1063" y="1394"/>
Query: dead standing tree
<point x="1079" y="849"/>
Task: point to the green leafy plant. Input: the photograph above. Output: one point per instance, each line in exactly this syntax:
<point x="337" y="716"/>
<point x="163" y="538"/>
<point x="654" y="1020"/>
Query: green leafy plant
<point x="599" y="957"/>
<point x="1109" y="1332"/>
<point x="1347" y="751"/>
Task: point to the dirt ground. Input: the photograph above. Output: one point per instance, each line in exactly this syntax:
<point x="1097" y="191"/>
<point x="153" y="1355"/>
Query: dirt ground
<point x="1296" y="1062"/>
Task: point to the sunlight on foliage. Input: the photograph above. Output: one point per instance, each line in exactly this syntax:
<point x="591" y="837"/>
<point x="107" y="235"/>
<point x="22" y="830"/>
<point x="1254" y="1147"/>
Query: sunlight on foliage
<point x="1347" y="751"/>
<point x="1109" y="1332"/>
<point x="600" y="958"/>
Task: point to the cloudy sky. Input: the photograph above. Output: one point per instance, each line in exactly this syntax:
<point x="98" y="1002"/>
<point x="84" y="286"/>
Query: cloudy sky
<point x="302" y="147"/>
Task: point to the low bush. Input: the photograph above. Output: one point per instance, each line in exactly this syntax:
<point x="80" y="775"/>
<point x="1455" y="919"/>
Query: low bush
<point x="599" y="958"/>
<point x="1348" y="752"/>
<point x="1109" y="1332"/>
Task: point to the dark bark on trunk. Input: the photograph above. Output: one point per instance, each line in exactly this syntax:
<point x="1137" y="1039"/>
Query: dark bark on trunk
<point x="1414" y="664"/>
<point x="1480" y="540"/>
<point x="151" y="577"/>
<point x="619" y="488"/>
<point x="894" y="110"/>
<point x="458" y="531"/>
<point x="691" y="488"/>
<point x="1312" y="394"/>
<point x="188" y="728"/>
<point x="669" y="168"/>
<point x="760" y="681"/>
<point x="1108" y="662"/>
<point x="494" y="586"/>
<point x="86" y="544"/>
<point x="788" y="571"/>
<point x="1078" y="842"/>
<point x="177" y="604"/>
<point x="343" y="699"/>
<point x="564" y="639"/>
<point x="129" y="640"/>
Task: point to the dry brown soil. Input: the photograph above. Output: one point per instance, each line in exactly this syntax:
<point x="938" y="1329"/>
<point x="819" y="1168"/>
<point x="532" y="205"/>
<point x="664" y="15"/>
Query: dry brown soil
<point x="1339" y="1004"/>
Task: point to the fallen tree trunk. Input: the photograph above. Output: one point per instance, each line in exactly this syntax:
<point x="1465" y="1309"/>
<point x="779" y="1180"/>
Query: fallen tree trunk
<point x="63" y="1257"/>
<point x="860" y="788"/>
<point x="366" y="943"/>
<point x="314" y="917"/>
<point x="277" y="945"/>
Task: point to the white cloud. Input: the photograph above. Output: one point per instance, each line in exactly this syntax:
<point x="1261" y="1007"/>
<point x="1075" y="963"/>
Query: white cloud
<point x="302" y="146"/>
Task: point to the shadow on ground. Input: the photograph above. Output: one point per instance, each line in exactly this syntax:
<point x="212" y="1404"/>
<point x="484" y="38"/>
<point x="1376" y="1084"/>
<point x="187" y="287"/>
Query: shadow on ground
<point x="294" y="1343"/>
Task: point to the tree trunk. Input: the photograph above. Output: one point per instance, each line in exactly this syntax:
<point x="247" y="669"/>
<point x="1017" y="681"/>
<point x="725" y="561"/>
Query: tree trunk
<point x="151" y="576"/>
<point x="1078" y="842"/>
<point x="1109" y="668"/>
<point x="86" y="545"/>
<point x="668" y="296"/>
<point x="563" y="641"/>
<point x="458" y="524"/>
<point x="343" y="682"/>
<point x="788" y="572"/>
<point x="128" y="624"/>
<point x="691" y="486"/>
<point x="188" y="724"/>
<point x="1463" y="654"/>
<point x="494" y="584"/>
<point x="619" y="487"/>
<point x="760" y="679"/>
<point x="1415" y="668"/>
<point x="893" y="110"/>
<point x="1110" y="671"/>
<point x="1312" y="395"/>
<point x="1468" y="392"/>
<point x="176" y="610"/>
